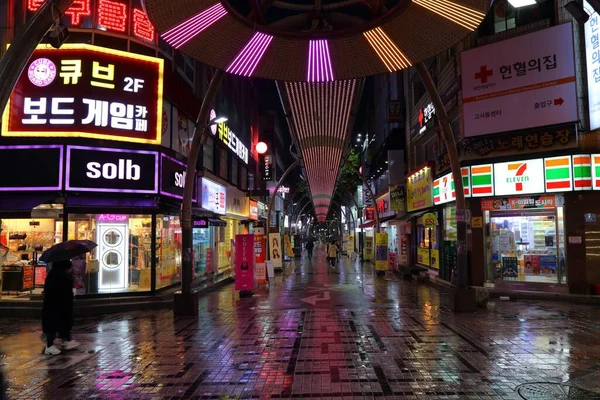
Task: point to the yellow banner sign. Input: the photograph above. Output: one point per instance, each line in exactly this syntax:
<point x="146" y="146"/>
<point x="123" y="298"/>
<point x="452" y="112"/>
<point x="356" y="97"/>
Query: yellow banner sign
<point x="381" y="259"/>
<point x="418" y="188"/>
<point x="369" y="248"/>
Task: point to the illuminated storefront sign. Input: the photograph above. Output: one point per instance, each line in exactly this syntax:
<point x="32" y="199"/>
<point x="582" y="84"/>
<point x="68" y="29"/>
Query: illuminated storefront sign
<point x="227" y="136"/>
<point x="253" y="210"/>
<point x="87" y="91"/>
<point x="519" y="177"/>
<point x="418" y="188"/>
<point x="38" y="168"/>
<point x="443" y="187"/>
<point x="172" y="182"/>
<point x="426" y="114"/>
<point x="592" y="45"/>
<point x="120" y="16"/>
<point x="213" y="196"/>
<point x="92" y="169"/>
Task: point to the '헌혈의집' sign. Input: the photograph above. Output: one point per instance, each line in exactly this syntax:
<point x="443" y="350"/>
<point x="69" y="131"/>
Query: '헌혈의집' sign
<point x="520" y="83"/>
<point x="592" y="50"/>
<point x="88" y="91"/>
<point x="227" y="136"/>
<point x="95" y="169"/>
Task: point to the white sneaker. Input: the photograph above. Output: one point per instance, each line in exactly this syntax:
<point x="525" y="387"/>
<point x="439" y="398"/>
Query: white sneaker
<point x="70" y="344"/>
<point x="52" y="350"/>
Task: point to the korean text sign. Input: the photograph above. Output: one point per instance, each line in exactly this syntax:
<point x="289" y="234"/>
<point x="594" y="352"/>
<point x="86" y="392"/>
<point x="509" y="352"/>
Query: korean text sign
<point x="244" y="262"/>
<point x="418" y="188"/>
<point x="592" y="50"/>
<point x="82" y="90"/>
<point x="381" y="248"/>
<point x="520" y="83"/>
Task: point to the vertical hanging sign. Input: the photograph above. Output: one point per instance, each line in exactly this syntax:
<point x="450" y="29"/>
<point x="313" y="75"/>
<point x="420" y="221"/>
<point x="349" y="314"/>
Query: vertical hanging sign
<point x="244" y="262"/>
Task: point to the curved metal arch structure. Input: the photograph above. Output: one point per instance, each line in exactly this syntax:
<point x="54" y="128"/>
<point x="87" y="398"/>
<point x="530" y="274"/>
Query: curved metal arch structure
<point x="237" y="40"/>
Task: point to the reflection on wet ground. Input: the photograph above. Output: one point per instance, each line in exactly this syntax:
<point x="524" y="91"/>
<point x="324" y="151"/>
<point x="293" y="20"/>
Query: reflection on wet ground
<point x="319" y="332"/>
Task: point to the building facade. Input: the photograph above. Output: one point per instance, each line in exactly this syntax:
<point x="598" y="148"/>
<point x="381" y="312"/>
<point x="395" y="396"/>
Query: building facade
<point x="97" y="134"/>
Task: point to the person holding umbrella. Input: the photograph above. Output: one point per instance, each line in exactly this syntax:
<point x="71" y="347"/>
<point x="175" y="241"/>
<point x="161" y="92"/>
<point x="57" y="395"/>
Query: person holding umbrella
<point x="57" y="309"/>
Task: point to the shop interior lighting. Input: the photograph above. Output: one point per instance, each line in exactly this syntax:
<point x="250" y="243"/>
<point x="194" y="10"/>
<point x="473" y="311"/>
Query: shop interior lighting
<point x="387" y="50"/>
<point x="319" y="62"/>
<point x="461" y="15"/>
<point x="248" y="58"/>
<point x="190" y="28"/>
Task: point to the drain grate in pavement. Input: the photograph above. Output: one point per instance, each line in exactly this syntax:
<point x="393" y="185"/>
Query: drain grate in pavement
<point x="554" y="391"/>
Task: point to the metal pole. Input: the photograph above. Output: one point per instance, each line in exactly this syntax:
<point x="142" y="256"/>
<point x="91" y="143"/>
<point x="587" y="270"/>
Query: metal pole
<point x="272" y="200"/>
<point x="448" y="137"/>
<point x="24" y="44"/>
<point x="198" y="141"/>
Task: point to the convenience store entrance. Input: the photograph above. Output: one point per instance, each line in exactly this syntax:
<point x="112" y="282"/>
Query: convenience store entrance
<point x="525" y="245"/>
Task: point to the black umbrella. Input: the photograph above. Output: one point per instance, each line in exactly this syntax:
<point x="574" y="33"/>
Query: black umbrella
<point x="67" y="250"/>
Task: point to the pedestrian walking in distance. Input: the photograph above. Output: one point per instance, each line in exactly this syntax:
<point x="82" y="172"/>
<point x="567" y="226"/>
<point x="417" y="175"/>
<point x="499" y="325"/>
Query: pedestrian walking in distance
<point x="309" y="247"/>
<point x="332" y="250"/>
<point x="57" y="311"/>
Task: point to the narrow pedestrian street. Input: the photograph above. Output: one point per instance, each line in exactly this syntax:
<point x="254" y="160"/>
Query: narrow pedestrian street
<point x="320" y="332"/>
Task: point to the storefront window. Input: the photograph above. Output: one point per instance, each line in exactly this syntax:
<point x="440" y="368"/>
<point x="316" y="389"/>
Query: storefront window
<point x="24" y="241"/>
<point x="450" y="223"/>
<point x="122" y="262"/>
<point x="526" y="245"/>
<point x="427" y="245"/>
<point x="202" y="250"/>
<point x="168" y="250"/>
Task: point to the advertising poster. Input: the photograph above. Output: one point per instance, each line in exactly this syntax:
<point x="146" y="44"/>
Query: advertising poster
<point x="404" y="250"/>
<point x="27" y="277"/>
<point x="435" y="259"/>
<point x="260" y="268"/>
<point x="423" y="256"/>
<point x="275" y="250"/>
<point x="369" y="248"/>
<point x="381" y="259"/>
<point x="244" y="262"/>
<point x="288" y="246"/>
<point x="350" y="245"/>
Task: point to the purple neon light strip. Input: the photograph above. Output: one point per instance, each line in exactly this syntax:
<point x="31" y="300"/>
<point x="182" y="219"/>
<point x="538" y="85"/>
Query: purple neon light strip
<point x="39" y="188"/>
<point x="190" y="28"/>
<point x="319" y="62"/>
<point x="108" y="190"/>
<point x="248" y="58"/>
<point x="169" y="194"/>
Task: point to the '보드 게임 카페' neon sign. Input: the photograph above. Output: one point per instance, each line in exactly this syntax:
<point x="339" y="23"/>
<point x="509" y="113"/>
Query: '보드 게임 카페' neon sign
<point x="87" y="91"/>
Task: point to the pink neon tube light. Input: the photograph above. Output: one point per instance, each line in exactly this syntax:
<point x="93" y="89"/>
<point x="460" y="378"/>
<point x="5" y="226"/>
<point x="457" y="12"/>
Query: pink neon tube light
<point x="190" y="28"/>
<point x="248" y="58"/>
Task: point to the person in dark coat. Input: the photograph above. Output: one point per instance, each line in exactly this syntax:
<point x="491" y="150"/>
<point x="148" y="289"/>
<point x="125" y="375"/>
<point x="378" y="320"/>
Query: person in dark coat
<point x="57" y="311"/>
<point x="309" y="247"/>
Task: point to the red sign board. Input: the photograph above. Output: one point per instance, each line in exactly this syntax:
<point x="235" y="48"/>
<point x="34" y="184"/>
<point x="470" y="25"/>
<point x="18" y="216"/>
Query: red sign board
<point x="28" y="277"/>
<point x="40" y="275"/>
<point x="370" y="213"/>
<point x="87" y="91"/>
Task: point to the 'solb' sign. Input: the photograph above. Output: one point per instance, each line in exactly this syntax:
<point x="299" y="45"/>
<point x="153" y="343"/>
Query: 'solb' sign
<point x="82" y="90"/>
<point x="111" y="170"/>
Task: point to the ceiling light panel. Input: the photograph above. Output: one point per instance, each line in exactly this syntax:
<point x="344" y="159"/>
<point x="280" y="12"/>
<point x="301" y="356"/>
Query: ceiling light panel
<point x="320" y="112"/>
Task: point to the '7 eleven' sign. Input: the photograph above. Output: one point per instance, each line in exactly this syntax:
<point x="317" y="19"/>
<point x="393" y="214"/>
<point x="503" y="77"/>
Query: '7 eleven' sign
<point x="519" y="177"/>
<point x="443" y="187"/>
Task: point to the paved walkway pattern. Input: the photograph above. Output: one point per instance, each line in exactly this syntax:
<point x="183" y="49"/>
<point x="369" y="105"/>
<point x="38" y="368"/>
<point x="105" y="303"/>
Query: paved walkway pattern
<point x="319" y="332"/>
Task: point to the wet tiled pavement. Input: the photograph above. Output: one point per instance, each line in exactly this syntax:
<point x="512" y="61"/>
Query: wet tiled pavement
<point x="319" y="332"/>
